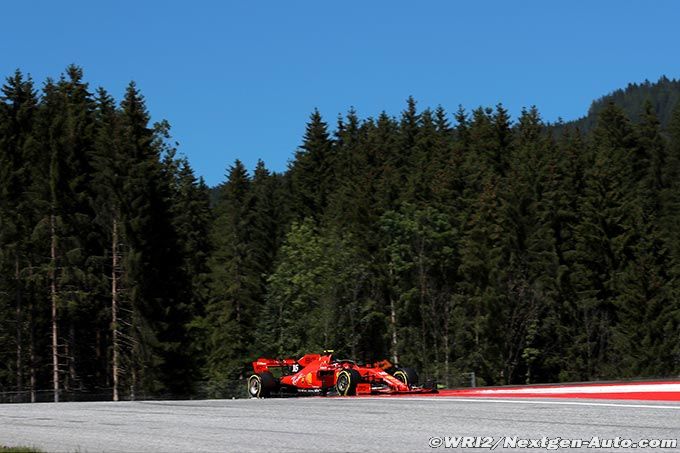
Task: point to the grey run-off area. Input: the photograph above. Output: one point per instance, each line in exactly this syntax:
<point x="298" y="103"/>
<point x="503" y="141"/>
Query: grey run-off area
<point x="321" y="424"/>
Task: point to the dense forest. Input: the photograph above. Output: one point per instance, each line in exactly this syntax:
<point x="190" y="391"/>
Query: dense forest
<point x="472" y="242"/>
<point x="664" y="94"/>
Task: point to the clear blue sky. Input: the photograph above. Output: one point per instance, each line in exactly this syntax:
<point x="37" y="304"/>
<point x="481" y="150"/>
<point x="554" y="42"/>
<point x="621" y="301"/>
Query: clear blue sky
<point x="239" y="79"/>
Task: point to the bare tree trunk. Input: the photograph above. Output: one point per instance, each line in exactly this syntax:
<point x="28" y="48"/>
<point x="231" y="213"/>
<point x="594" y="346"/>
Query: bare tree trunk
<point x="237" y="302"/>
<point x="31" y="352"/>
<point x="72" y="356"/>
<point x="98" y="356"/>
<point x="393" y="321"/>
<point x="133" y="379"/>
<point x="422" y="283"/>
<point x="352" y="326"/>
<point x="393" y="326"/>
<point x="66" y="354"/>
<point x="447" y="350"/>
<point x="53" y="293"/>
<point x="31" y="344"/>
<point x="114" y="309"/>
<point x="19" y="326"/>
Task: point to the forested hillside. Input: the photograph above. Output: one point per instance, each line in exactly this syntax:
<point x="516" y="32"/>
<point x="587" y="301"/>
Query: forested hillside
<point x="664" y="95"/>
<point x="460" y="243"/>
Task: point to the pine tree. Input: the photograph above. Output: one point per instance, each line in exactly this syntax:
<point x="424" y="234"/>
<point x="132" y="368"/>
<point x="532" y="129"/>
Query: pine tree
<point x="17" y="114"/>
<point x="644" y="335"/>
<point x="350" y="201"/>
<point x="479" y="164"/>
<point x="312" y="172"/>
<point x="78" y="245"/>
<point x="60" y="189"/>
<point x="529" y="261"/>
<point x="563" y="194"/>
<point x="192" y="221"/>
<point x="108" y="181"/>
<point x="605" y="236"/>
<point x="480" y="256"/>
<point x="231" y="310"/>
<point x="424" y="159"/>
<point x="146" y="264"/>
<point x="267" y="226"/>
<point x="382" y="149"/>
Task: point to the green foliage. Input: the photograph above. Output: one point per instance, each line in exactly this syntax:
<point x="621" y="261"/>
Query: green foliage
<point x="313" y="295"/>
<point x="82" y="163"/>
<point x="19" y="450"/>
<point x="664" y="93"/>
<point x="519" y="251"/>
<point x="421" y="265"/>
<point x="312" y="174"/>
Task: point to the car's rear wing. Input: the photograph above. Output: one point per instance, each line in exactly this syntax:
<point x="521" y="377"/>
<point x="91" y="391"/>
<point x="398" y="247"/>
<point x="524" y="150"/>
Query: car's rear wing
<point x="261" y="365"/>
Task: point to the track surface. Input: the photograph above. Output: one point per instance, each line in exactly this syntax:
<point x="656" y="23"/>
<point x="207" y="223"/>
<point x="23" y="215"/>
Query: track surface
<point x="322" y="424"/>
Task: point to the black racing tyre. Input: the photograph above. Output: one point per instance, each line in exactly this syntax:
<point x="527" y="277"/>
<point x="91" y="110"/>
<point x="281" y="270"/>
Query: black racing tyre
<point x="407" y="375"/>
<point x="261" y="385"/>
<point x="346" y="382"/>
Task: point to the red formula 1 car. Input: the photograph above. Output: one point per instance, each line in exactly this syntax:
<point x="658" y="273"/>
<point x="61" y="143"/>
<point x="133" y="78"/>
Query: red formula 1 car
<point x="316" y="374"/>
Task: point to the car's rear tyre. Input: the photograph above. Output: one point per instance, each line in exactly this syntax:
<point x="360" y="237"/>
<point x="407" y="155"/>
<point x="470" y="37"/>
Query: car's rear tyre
<point x="346" y="382"/>
<point x="261" y="385"/>
<point x="407" y="375"/>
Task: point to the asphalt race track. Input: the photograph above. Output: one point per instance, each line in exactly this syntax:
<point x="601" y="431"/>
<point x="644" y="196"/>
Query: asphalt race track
<point x="324" y="424"/>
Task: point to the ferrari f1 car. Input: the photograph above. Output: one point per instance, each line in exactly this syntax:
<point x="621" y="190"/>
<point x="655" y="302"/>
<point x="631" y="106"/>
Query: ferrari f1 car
<point x="316" y="374"/>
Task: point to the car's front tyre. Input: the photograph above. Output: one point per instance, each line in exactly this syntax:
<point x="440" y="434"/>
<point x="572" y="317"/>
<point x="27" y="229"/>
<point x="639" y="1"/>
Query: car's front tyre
<point x="407" y="375"/>
<point x="347" y="381"/>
